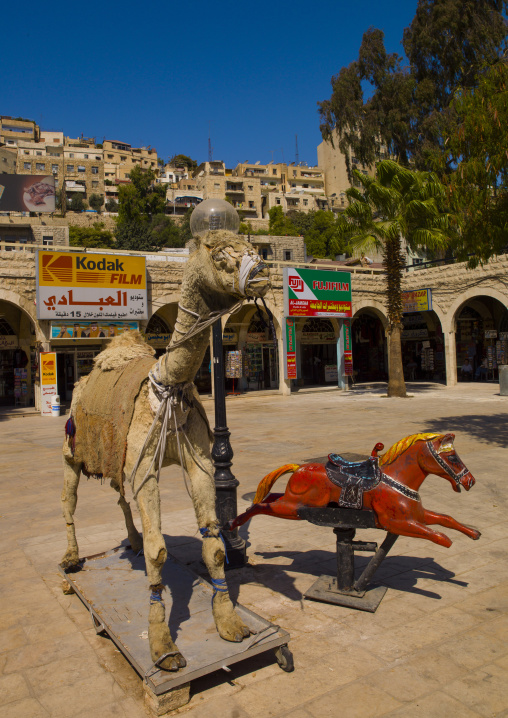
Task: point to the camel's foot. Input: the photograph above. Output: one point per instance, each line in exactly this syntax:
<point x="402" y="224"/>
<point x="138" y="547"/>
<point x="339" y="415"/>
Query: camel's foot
<point x="70" y="559"/>
<point x="160" y="640"/>
<point x="228" y="622"/>
<point x="161" y="644"/>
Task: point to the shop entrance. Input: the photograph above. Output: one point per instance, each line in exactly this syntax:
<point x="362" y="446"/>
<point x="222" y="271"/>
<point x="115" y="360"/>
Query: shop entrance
<point x="481" y="339"/>
<point x="423" y="347"/>
<point x="318" y="352"/>
<point x="369" y="348"/>
<point x="262" y="356"/>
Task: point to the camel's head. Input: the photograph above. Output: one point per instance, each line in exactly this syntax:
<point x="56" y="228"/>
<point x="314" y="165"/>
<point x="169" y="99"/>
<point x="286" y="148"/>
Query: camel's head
<point x="237" y="269"/>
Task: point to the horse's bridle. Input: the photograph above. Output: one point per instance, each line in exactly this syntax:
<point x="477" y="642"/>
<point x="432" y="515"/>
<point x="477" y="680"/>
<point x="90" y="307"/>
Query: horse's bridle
<point x="448" y="469"/>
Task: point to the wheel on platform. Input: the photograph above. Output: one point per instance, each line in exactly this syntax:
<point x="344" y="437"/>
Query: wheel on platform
<point x="284" y="658"/>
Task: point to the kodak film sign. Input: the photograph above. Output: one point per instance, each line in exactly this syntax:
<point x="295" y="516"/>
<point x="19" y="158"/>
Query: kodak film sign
<point x="316" y="293"/>
<point x="74" y="285"/>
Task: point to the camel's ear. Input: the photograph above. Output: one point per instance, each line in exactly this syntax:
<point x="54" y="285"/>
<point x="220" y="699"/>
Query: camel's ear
<point x="446" y="443"/>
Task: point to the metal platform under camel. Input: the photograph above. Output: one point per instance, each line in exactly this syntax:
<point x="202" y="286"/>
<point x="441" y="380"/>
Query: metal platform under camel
<point x="113" y="586"/>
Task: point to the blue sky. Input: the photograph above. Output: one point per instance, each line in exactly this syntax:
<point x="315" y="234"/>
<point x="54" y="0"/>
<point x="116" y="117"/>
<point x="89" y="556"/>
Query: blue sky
<point x="161" y="74"/>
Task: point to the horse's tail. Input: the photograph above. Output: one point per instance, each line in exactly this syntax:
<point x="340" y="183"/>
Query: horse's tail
<point x="266" y="484"/>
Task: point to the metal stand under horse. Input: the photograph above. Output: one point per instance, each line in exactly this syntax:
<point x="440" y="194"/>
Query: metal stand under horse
<point x="343" y="590"/>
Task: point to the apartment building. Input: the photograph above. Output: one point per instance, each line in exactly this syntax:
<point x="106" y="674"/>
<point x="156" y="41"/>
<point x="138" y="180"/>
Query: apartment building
<point x="332" y="163"/>
<point x="8" y="161"/>
<point x="121" y="157"/>
<point x="14" y="129"/>
<point x="77" y="161"/>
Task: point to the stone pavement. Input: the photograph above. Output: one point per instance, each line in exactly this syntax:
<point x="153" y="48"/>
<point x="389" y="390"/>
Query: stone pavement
<point x="437" y="646"/>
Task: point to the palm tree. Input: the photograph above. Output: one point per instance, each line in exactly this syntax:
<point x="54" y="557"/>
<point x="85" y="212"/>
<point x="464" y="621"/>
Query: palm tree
<point x="396" y="204"/>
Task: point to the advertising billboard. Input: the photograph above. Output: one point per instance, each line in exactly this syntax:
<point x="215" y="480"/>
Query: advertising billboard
<point x="290" y="349"/>
<point x="86" y="286"/>
<point x="316" y="293"/>
<point x="89" y="330"/>
<point x="49" y="385"/>
<point x="27" y="193"/>
<point x="419" y="300"/>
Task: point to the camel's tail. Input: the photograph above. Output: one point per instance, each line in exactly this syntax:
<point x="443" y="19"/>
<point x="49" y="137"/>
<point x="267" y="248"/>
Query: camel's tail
<point x="266" y="484"/>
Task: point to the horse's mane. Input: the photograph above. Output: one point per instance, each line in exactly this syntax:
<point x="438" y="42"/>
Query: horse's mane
<point x="403" y="445"/>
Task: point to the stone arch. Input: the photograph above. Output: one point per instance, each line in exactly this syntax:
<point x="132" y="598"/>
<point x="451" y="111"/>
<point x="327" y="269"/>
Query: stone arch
<point x="26" y="307"/>
<point x="466" y="297"/>
<point x="373" y="306"/>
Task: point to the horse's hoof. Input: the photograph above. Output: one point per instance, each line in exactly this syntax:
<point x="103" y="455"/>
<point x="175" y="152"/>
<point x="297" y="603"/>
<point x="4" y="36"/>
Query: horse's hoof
<point x="476" y="535"/>
<point x="172" y="663"/>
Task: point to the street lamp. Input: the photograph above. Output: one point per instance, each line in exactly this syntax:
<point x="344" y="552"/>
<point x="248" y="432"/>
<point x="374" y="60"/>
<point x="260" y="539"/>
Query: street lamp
<point x="211" y="215"/>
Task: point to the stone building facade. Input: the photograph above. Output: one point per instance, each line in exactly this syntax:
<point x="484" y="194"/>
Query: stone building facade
<point x="121" y="157"/>
<point x="8" y="161"/>
<point x="469" y="310"/>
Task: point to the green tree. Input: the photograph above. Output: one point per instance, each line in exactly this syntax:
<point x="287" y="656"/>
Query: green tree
<point x="279" y="224"/>
<point x="91" y="237"/>
<point x="183" y="161"/>
<point x="96" y="201"/>
<point x="396" y="204"/>
<point x="77" y="203"/>
<point x="184" y="227"/>
<point x="111" y="205"/>
<point x="476" y="147"/>
<point x="377" y="105"/>
<point x="139" y="203"/>
<point x="165" y="232"/>
<point x="323" y="238"/>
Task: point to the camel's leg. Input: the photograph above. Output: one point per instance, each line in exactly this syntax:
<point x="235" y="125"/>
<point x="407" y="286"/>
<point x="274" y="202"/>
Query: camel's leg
<point x="430" y="517"/>
<point x="135" y="539"/>
<point x="272" y="505"/>
<point x="148" y="500"/>
<point x="229" y="624"/>
<point x="69" y="500"/>
<point x="414" y="529"/>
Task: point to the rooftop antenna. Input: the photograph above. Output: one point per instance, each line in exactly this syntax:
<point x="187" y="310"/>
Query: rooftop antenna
<point x="297" y="156"/>
<point x="282" y="153"/>
<point x="210" y="148"/>
<point x="272" y="151"/>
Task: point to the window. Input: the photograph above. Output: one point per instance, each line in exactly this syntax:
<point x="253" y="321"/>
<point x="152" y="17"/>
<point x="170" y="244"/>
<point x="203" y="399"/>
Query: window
<point x="38" y="153"/>
<point x="277" y="200"/>
<point x="216" y="185"/>
<point x="47" y="241"/>
<point x="71" y="154"/>
<point x="294" y="173"/>
<point x="95" y="184"/>
<point x="251" y="205"/>
<point x="70" y="168"/>
<point x="251" y="187"/>
<point x="287" y="255"/>
<point x="123" y="158"/>
<point x="40" y="166"/>
<point x="26" y="152"/>
<point x="27" y="165"/>
<point x="81" y="168"/>
<point x="85" y="156"/>
<point x="110" y="157"/>
<point x="54" y="169"/>
<point x="264" y="254"/>
<point x="274" y="172"/>
<point x="97" y="157"/>
<point x="95" y="170"/>
<point x="305" y="202"/>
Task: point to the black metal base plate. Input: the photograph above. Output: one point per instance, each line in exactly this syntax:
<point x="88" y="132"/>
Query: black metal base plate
<point x="325" y="590"/>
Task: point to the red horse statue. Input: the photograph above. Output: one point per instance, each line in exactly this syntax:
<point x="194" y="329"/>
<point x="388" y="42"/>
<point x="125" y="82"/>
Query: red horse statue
<point x="387" y="485"/>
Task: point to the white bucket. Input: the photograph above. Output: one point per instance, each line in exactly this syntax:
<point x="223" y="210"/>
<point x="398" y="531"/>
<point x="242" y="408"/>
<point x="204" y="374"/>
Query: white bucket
<point x="55" y="405"/>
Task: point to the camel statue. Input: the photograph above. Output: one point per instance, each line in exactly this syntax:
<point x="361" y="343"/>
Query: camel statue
<point x="131" y="415"/>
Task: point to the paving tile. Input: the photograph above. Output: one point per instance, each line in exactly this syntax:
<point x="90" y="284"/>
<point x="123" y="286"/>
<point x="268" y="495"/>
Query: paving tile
<point x="81" y="696"/>
<point x="38" y="654"/>
<point x="63" y="672"/>
<point x="436" y="705"/>
<point x="474" y="648"/>
<point x="12" y="638"/>
<point x="358" y="700"/>
<point x="13" y="687"/>
<point x="484" y="691"/>
<point x="26" y="708"/>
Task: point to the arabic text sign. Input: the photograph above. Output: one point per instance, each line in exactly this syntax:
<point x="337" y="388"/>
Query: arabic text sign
<point x="290" y="349"/>
<point x="49" y="385"/>
<point x="89" y="330"/>
<point x="419" y="300"/>
<point x="348" y="349"/>
<point x="316" y="293"/>
<point x="75" y="285"/>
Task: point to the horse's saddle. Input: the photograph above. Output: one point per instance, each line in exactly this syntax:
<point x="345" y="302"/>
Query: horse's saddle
<point x="353" y="477"/>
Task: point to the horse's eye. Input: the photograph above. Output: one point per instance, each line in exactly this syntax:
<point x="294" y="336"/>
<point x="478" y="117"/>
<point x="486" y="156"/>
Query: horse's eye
<point x="453" y="459"/>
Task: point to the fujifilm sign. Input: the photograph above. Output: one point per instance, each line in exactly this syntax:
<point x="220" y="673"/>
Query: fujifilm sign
<point x="317" y="293"/>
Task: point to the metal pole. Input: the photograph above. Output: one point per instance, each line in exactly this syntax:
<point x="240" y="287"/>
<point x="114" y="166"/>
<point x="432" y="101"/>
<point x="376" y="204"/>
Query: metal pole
<point x="222" y="455"/>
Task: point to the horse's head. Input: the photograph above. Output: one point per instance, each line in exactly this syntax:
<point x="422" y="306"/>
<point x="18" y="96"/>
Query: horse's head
<point x="444" y="461"/>
<point x="236" y="268"/>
